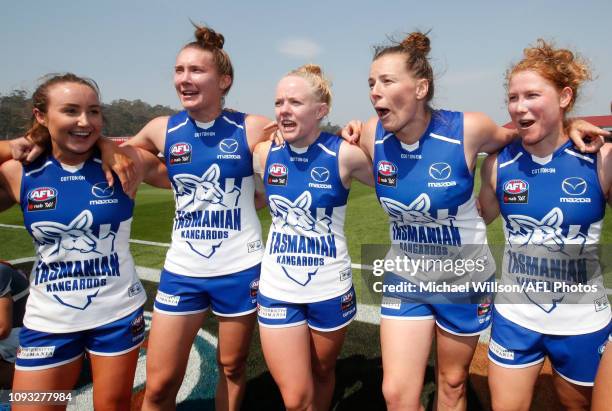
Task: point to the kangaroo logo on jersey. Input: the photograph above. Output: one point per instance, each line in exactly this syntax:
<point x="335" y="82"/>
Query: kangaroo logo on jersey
<point x="386" y="174"/>
<point x="539" y="251"/>
<point x="277" y="174"/>
<point x="545" y="232"/>
<point x="574" y="187"/>
<point x="516" y="192"/>
<point x="409" y="223"/>
<point x="42" y="198"/>
<point x="205" y="190"/>
<point x="180" y="153"/>
<point x="296" y="214"/>
<point x="205" y="211"/>
<point x="73" y="258"/>
<point x="300" y="241"/>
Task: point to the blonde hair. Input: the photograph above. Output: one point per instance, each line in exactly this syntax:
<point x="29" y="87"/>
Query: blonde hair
<point x="320" y="85"/>
<point x="561" y="67"/>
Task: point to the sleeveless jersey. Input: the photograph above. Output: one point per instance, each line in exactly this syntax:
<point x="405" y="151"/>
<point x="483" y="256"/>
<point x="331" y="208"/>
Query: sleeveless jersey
<point x="216" y="230"/>
<point x="306" y="258"/>
<point x="84" y="275"/>
<point x="426" y="189"/>
<point x="552" y="210"/>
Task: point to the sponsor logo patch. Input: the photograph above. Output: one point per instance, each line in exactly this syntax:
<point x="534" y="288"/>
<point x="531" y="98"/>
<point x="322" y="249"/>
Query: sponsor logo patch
<point x="391" y="303"/>
<point x="516" y="192"/>
<point x="440" y="172"/>
<point x="102" y="190"/>
<point x="253" y="288"/>
<point x="137" y="327"/>
<point x="601" y="303"/>
<point x="254" y="246"/>
<point x="575" y="187"/>
<point x="30" y="353"/>
<point x="386" y="173"/>
<point x="167" y="299"/>
<point x="500" y="351"/>
<point x="134" y="289"/>
<point x="270" y="313"/>
<point x="277" y="174"/>
<point x="180" y="153"/>
<point x="42" y="198"/>
<point x="345" y="274"/>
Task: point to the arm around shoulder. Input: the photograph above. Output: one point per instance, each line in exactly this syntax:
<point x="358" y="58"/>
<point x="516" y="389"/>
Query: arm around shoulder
<point x="481" y="134"/>
<point x="152" y="137"/>
<point x="354" y="163"/>
<point x="487" y="198"/>
<point x="10" y="184"/>
<point x="256" y="130"/>
<point x="604" y="166"/>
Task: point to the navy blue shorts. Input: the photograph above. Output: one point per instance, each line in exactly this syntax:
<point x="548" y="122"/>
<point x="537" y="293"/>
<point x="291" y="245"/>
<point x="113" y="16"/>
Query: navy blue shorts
<point x="574" y="357"/>
<point x="328" y="315"/>
<point x="463" y="315"/>
<point x="40" y="350"/>
<point x="230" y="295"/>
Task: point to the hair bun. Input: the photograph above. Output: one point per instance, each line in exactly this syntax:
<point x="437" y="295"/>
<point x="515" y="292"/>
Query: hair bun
<point x="207" y="37"/>
<point x="416" y="42"/>
<point x="312" y="69"/>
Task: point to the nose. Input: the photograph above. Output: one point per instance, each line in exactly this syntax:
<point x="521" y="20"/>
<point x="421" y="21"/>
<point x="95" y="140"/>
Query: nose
<point x="521" y="106"/>
<point x="83" y="119"/>
<point x="375" y="91"/>
<point x="284" y="108"/>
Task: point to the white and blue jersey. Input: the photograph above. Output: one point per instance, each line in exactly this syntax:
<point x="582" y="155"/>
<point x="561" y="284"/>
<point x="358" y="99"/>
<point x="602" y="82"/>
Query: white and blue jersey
<point x="426" y="189"/>
<point x="552" y="211"/>
<point x="216" y="230"/>
<point x="306" y="259"/>
<point x="84" y="275"/>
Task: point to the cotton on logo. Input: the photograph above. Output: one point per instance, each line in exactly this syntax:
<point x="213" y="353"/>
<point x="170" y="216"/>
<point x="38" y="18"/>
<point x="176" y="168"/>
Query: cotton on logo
<point x="387" y="169"/>
<point x="515" y="187"/>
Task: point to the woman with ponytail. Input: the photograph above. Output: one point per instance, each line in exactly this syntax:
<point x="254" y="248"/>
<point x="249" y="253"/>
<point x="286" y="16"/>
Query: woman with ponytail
<point x="214" y="259"/>
<point x="306" y="298"/>
<point x="85" y="295"/>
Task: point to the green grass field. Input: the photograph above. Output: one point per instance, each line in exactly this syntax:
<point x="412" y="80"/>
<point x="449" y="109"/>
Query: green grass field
<point x="359" y="372"/>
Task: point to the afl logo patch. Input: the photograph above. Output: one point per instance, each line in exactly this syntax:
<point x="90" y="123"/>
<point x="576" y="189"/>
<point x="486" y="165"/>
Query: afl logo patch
<point x="277" y="174"/>
<point x="386" y="174"/>
<point x="42" y="198"/>
<point x="180" y="153"/>
<point x="253" y="287"/>
<point x="516" y="192"/>
<point x="102" y="190"/>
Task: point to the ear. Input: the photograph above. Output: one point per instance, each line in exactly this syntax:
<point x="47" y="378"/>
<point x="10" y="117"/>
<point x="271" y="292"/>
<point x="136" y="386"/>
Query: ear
<point x="225" y="82"/>
<point x="41" y="117"/>
<point x="565" y="97"/>
<point x="322" y="111"/>
<point x="422" y="88"/>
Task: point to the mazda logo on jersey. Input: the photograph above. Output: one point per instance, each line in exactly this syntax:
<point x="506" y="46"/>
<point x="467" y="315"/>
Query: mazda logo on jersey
<point x="574" y="186"/>
<point x="319" y="174"/>
<point x="42" y="198"/>
<point x="440" y="171"/>
<point x="102" y="190"/>
<point x="228" y="146"/>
